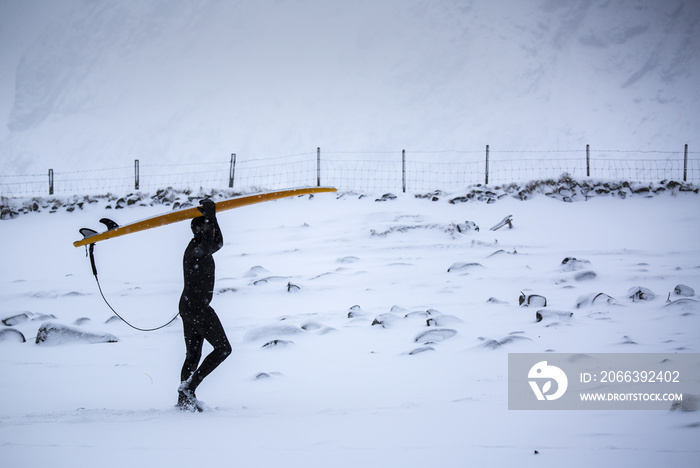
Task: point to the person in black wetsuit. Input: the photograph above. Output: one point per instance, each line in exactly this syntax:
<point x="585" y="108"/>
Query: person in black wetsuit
<point x="199" y="320"/>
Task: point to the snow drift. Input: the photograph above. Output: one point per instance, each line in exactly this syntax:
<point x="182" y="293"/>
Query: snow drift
<point x="380" y="356"/>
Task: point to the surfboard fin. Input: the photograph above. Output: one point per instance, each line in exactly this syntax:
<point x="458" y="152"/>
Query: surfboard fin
<point x="87" y="232"/>
<point x="109" y="223"/>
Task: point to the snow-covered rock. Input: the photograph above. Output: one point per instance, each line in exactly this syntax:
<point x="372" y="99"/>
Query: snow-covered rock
<point x="52" y="333"/>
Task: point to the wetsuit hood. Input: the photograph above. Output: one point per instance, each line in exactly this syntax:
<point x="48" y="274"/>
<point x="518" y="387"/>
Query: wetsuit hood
<point x="198" y="225"/>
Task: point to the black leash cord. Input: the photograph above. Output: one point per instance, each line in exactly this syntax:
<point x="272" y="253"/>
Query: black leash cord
<point x="94" y="272"/>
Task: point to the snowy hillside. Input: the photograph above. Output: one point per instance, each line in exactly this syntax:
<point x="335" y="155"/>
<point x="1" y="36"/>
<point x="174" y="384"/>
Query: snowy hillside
<point x="86" y="84"/>
<point x="327" y="302"/>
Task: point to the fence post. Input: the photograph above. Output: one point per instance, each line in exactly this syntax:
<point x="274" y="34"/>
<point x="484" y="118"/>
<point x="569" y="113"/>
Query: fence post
<point x="232" y="170"/>
<point x="50" y="181"/>
<point x="403" y="170"/>
<point x="318" y="166"/>
<point x="685" y="164"/>
<point x="136" y="174"/>
<point x="486" y="182"/>
<point x="588" y="160"/>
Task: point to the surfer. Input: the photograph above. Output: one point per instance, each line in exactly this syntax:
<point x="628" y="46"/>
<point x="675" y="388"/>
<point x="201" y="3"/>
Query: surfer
<point x="199" y="320"/>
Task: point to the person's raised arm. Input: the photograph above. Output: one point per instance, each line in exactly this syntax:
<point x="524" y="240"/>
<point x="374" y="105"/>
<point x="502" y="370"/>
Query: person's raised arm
<point x="207" y="235"/>
<point x="218" y="240"/>
<point x="214" y="239"/>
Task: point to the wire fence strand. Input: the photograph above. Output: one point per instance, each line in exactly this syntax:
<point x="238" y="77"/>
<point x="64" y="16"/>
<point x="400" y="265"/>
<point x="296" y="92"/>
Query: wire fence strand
<point x="412" y="171"/>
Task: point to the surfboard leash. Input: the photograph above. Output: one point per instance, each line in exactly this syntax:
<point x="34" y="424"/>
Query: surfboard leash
<point x="90" y="251"/>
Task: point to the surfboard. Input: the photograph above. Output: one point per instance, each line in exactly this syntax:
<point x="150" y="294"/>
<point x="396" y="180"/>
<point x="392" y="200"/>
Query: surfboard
<point x="114" y="230"/>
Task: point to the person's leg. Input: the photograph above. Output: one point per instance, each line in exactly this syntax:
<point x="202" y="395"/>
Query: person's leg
<point x="186" y="399"/>
<point x="209" y="327"/>
<point x="193" y="346"/>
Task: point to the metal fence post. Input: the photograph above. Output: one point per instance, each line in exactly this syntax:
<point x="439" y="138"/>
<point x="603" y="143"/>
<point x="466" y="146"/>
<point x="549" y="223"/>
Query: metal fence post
<point x="318" y="166"/>
<point x="403" y="170"/>
<point x="588" y="160"/>
<point x="685" y="164"/>
<point x="50" y="181"/>
<point x="486" y="182"/>
<point x="136" y="174"/>
<point x="232" y="170"/>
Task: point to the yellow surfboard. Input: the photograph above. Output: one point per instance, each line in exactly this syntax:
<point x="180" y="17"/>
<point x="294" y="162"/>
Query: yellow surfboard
<point x="92" y="237"/>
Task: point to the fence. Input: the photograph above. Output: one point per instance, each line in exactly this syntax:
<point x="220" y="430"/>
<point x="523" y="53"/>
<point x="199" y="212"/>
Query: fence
<point x="367" y="171"/>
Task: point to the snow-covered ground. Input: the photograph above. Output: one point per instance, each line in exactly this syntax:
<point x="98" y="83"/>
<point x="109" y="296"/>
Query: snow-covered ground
<point x="84" y="82"/>
<point x="344" y="385"/>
